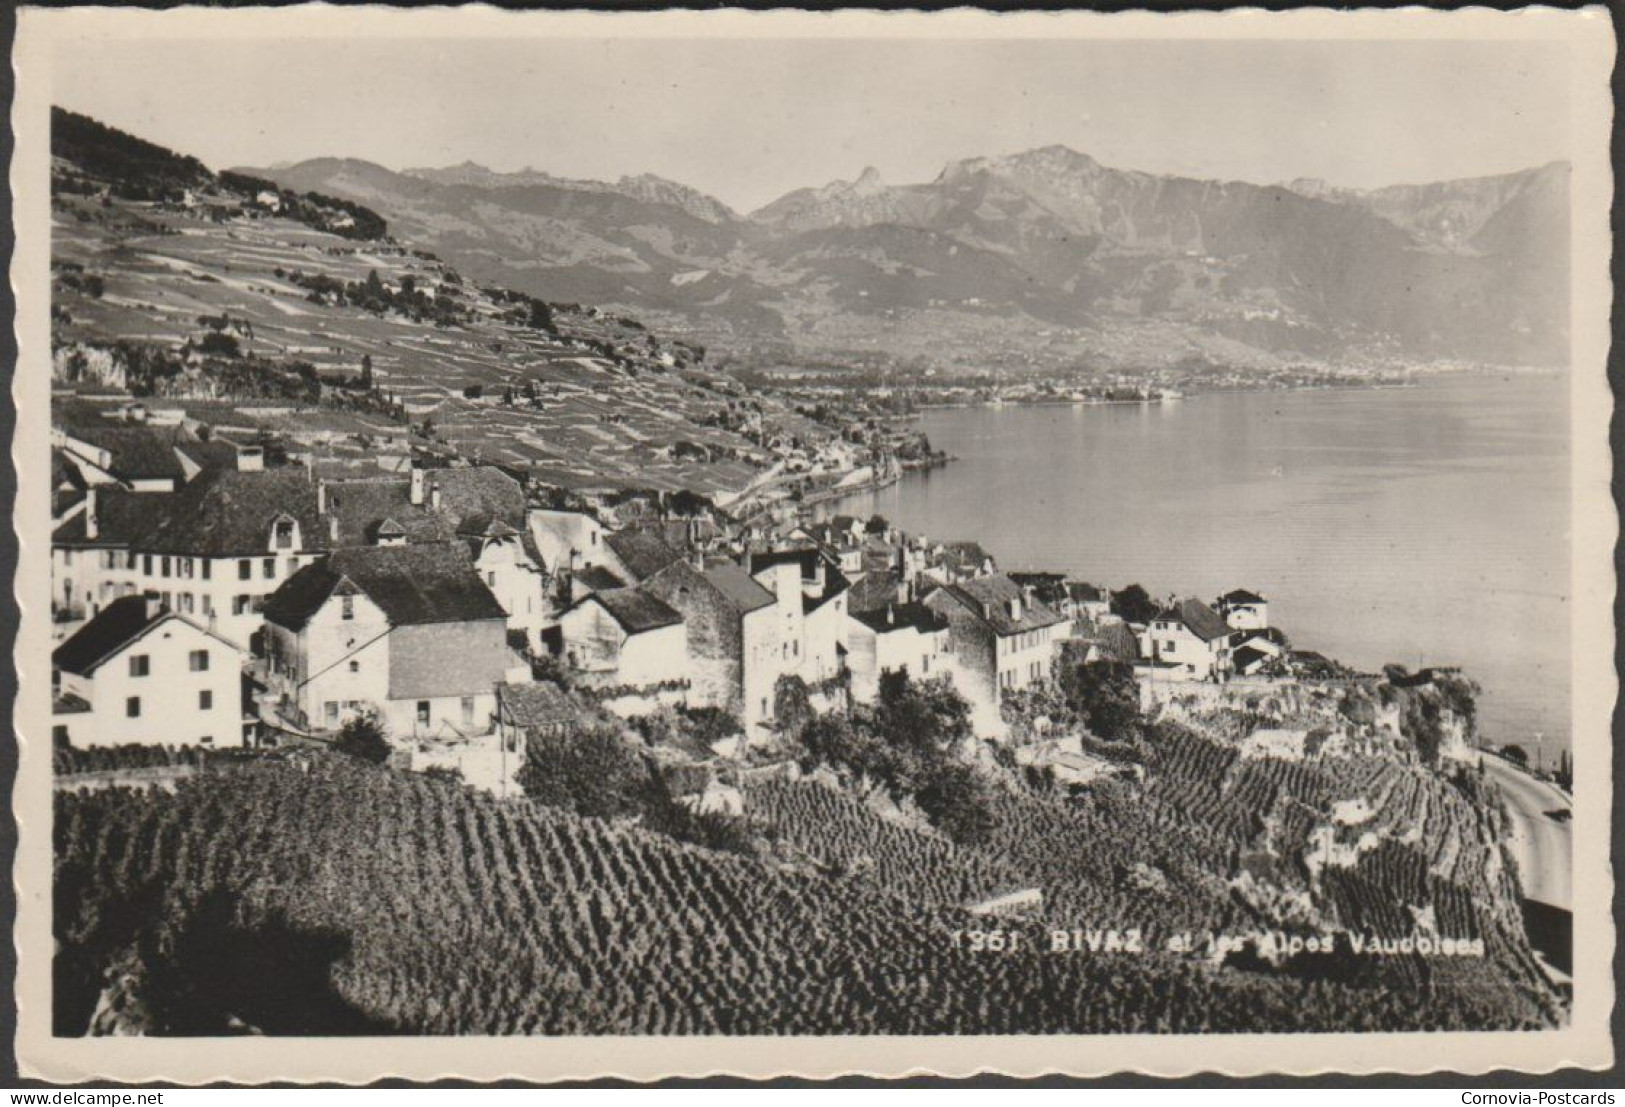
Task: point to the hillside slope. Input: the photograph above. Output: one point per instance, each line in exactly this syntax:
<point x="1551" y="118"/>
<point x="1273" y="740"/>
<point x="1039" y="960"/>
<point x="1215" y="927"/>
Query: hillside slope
<point x="173" y="282"/>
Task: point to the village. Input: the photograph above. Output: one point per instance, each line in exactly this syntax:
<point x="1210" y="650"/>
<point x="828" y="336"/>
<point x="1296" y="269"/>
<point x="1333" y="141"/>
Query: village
<point x="206" y="596"/>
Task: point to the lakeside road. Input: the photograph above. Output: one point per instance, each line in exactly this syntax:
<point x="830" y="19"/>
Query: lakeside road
<point x="1542" y="845"/>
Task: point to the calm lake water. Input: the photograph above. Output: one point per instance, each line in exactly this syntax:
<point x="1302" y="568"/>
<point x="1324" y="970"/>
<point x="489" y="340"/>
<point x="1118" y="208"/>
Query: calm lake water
<point x="1425" y="525"/>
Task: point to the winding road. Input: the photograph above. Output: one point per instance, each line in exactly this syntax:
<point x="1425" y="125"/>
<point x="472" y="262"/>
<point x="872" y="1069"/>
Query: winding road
<point x="1542" y="845"/>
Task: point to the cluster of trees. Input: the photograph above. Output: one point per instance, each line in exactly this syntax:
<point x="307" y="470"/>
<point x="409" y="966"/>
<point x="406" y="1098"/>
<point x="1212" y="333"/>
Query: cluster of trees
<point x="132" y="168"/>
<point x="1431" y="703"/>
<point x="909" y="742"/>
<point x="1134" y="605"/>
<point x="374" y="295"/>
<point x="325" y="213"/>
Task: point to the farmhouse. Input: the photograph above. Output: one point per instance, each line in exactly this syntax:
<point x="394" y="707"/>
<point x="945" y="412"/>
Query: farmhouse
<point x="137" y="673"/>
<point x="1190" y="640"/>
<point x="903" y="637"/>
<point x="1003" y="640"/>
<point x="410" y="632"/>
<point x="623" y="636"/>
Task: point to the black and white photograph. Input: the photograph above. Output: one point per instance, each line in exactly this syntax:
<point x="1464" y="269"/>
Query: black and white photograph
<point x="905" y="529"/>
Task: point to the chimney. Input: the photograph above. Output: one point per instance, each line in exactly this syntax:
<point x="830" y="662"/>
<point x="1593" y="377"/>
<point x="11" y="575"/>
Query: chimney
<point x="417" y="487"/>
<point x="92" y="529"/>
<point x="321" y="497"/>
<point x="891" y="615"/>
<point x="333" y="530"/>
<point x="155" y="606"/>
<point x="434" y="497"/>
<point x="1015" y="607"/>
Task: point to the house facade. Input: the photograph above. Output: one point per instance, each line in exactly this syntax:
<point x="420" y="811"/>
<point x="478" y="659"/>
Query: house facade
<point x="1243" y="610"/>
<point x="625" y="637"/>
<point x="1003" y="640"/>
<point x="139" y="674"/>
<point x="1188" y="640"/>
<point x="409" y="632"/>
<point x="907" y="637"/>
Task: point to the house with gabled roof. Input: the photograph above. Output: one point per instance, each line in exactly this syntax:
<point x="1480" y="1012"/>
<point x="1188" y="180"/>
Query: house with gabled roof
<point x="625" y="637"/>
<point x="410" y="632"/>
<point x="1003" y="638"/>
<point x="139" y="674"/>
<point x="1188" y="640"/>
<point x="899" y="637"/>
<point x="1244" y="610"/>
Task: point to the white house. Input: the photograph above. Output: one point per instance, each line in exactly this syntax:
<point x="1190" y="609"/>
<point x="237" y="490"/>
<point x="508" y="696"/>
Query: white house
<point x="567" y="540"/>
<point x="410" y="632"/>
<point x="140" y="674"/>
<point x="623" y="636"/>
<point x="1003" y="639"/>
<point x="1244" y="610"/>
<point x="1188" y="640"/>
<point x="905" y="637"/>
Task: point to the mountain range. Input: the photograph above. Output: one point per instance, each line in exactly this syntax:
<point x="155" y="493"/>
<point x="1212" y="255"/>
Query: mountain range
<point x="1018" y="250"/>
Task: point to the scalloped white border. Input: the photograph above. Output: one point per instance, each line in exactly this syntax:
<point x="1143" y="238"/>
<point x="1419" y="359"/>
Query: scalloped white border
<point x="1585" y="1043"/>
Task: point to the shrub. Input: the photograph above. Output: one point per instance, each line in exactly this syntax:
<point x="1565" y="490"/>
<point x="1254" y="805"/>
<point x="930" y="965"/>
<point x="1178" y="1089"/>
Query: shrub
<point x="362" y="736"/>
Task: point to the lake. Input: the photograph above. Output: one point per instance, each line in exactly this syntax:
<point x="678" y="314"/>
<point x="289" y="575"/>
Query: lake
<point x="1425" y="525"/>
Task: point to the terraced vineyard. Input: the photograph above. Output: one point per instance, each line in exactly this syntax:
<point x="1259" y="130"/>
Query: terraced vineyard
<point x="434" y="910"/>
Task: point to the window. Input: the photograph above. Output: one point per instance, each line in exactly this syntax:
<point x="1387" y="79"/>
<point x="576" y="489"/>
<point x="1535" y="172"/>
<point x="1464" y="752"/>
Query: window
<point x="59" y="736"/>
<point x="199" y="661"/>
<point x="284" y="534"/>
<point x="208" y="603"/>
<point x="205" y="700"/>
<point x="206" y="564"/>
<point x="355" y="666"/>
<point x="423" y="713"/>
<point x="206" y="740"/>
<point x="491" y="579"/>
<point x="164" y="565"/>
<point x="245" y="569"/>
<point x="347" y="607"/>
<point x="140" y="665"/>
<point x="331" y="710"/>
<point x="268" y="568"/>
<point x="468" y="710"/>
<point x="239" y="605"/>
<point x="67" y="559"/>
<point x="132" y="707"/>
<point x="256" y="604"/>
<point x="146" y="564"/>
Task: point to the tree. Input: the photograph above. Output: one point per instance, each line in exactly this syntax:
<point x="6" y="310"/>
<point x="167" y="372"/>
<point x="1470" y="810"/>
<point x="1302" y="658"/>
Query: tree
<point x="1106" y="697"/>
<point x="473" y="391"/>
<point x="592" y="772"/>
<point x="366" y="371"/>
<point x="876" y="525"/>
<point x="363" y="736"/>
<point x="1133" y="605"/>
<point x="374" y="285"/>
<point x="792" y="705"/>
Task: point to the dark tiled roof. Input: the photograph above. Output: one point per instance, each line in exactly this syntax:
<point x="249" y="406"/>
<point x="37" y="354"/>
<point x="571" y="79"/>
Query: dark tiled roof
<point x="643" y="552"/>
<point x="412" y="584"/>
<point x="1241" y="596"/>
<point x="213" y="454"/>
<point x="539" y="704"/>
<point x="598" y="578"/>
<point x="636" y="611"/>
<point x="229" y="514"/>
<point x="471" y="497"/>
<point x="738" y="588"/>
<point x="902" y="616"/>
<point x="138" y="453"/>
<point x="120" y="517"/>
<point x="1247" y="655"/>
<point x="807" y="557"/>
<point x="873" y="590"/>
<point x="1200" y="619"/>
<point x="989" y="599"/>
<point x="1118" y="642"/>
<point x="112" y="628"/>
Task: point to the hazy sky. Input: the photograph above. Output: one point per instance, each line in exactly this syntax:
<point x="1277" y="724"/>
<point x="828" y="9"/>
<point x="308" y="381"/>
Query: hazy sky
<point x="749" y="121"/>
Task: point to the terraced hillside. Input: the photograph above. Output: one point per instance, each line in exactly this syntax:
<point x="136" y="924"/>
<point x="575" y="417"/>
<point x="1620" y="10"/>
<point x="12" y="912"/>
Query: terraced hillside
<point x="173" y="282"/>
<point x="424" y="908"/>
